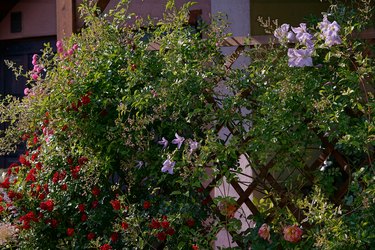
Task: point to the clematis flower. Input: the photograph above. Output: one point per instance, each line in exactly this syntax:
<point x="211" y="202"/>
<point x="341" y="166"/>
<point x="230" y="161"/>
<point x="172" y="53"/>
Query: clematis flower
<point x="329" y="32"/>
<point x="168" y="166"/>
<point x="163" y="142"/>
<point x="300" y="57"/>
<point x="282" y="33"/>
<point x="302" y="35"/>
<point x="292" y="233"/>
<point x="178" y="141"/>
<point x="194" y="145"/>
<point x="264" y="232"/>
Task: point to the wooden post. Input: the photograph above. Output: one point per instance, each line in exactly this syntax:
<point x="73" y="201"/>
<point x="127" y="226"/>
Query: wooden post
<point x="65" y="18"/>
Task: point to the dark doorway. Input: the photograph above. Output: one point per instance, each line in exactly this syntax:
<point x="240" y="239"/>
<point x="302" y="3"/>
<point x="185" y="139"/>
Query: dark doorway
<point x="19" y="51"/>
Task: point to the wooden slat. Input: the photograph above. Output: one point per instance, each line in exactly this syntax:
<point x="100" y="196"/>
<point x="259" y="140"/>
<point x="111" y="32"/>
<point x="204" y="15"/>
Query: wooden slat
<point x="65" y="18"/>
<point x="102" y="4"/>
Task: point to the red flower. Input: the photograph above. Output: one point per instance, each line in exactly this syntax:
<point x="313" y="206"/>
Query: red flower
<point x="146" y="204"/>
<point x="105" y="247"/>
<point x="75" y="171"/>
<point x="94" y="204"/>
<point x="55" y="177"/>
<point x="22" y="159"/>
<point x="5" y="184"/>
<point x="170" y="231"/>
<point x="114" y="237"/>
<point x="115" y="204"/>
<point x="86" y="99"/>
<point x="81" y="208"/>
<point x="190" y="222"/>
<point x="38" y="166"/>
<point x="64" y="187"/>
<point x="70" y="231"/>
<point x="47" y="205"/>
<point x="84" y="217"/>
<point x="91" y="236"/>
<point x="195" y="247"/>
<point x="52" y="222"/>
<point x="95" y="191"/>
<point x="124" y="225"/>
<point x="164" y="224"/>
<point x="155" y="224"/>
<point x="31" y="175"/>
<point x="161" y="236"/>
<point x="82" y="160"/>
<point x="70" y="161"/>
<point x="11" y="194"/>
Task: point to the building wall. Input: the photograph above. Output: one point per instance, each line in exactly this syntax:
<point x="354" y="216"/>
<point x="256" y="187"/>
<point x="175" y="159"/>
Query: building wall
<point x="38" y="19"/>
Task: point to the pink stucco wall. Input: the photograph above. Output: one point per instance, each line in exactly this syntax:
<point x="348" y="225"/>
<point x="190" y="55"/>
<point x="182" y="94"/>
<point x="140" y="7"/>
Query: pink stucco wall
<point x="38" y="19"/>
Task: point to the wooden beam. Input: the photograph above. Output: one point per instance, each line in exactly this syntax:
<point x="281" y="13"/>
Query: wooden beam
<point x="102" y="4"/>
<point x="65" y="18"/>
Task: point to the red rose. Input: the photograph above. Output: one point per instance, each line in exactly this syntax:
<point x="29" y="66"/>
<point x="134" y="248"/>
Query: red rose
<point x="47" y="205"/>
<point x="81" y="208"/>
<point x="75" y="171"/>
<point x="52" y="222"/>
<point x="82" y="160"/>
<point x="84" y="217"/>
<point x="95" y="191"/>
<point x="161" y="236"/>
<point x="115" y="204"/>
<point x="164" y="224"/>
<point x="70" y="231"/>
<point x="170" y="231"/>
<point x="94" y="204"/>
<point x="38" y="166"/>
<point x="155" y="224"/>
<point x="114" y="237"/>
<point x="124" y="225"/>
<point x="105" y="247"/>
<point x="64" y="187"/>
<point x="190" y="222"/>
<point x="91" y="236"/>
<point x="55" y="177"/>
<point x="146" y="204"/>
<point x="5" y="184"/>
<point x="195" y="247"/>
<point x="85" y="99"/>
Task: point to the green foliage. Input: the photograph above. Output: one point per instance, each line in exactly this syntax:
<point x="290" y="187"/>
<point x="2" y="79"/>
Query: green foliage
<point x="95" y="120"/>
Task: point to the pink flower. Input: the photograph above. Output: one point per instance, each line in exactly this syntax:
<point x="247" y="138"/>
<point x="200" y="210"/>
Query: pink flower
<point x="75" y="46"/>
<point x="292" y="233"/>
<point x="264" y="232"/>
<point x="26" y="91"/>
<point x="59" y="46"/>
<point x="34" y="76"/>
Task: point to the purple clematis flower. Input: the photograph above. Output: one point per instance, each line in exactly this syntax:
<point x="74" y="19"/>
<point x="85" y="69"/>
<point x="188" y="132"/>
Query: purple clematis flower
<point x="179" y="140"/>
<point x="302" y="35"/>
<point x="168" y="166"/>
<point x="193" y="145"/>
<point x="300" y="57"/>
<point x="330" y="32"/>
<point x="163" y="142"/>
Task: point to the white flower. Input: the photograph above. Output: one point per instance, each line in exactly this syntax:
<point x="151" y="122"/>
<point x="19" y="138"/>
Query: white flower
<point x="179" y="140"/>
<point x="168" y="166"/>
